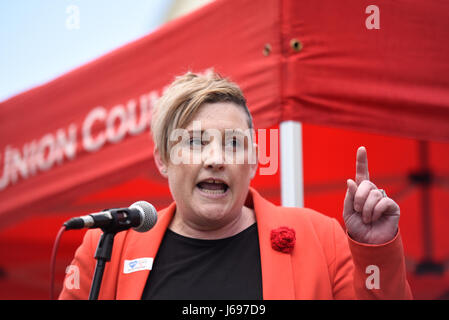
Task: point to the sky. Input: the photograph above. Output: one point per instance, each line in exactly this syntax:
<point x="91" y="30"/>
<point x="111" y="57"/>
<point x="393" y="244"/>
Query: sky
<point x="43" y="39"/>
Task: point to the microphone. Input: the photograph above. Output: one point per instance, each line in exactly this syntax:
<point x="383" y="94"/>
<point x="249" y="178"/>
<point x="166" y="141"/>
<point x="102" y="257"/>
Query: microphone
<point x="141" y="216"/>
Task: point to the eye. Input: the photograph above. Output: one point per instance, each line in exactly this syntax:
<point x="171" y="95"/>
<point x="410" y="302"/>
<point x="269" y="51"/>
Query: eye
<point x="235" y="143"/>
<point x="196" y="142"/>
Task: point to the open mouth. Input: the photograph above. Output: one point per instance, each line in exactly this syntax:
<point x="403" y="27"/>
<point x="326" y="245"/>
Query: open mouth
<point x="213" y="186"/>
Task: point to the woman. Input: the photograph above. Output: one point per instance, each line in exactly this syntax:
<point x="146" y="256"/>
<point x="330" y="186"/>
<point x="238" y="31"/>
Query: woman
<point x="220" y="239"/>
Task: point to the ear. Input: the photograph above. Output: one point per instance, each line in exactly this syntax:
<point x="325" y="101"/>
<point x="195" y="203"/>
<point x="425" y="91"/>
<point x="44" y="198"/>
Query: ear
<point x="254" y="160"/>
<point x="161" y="166"/>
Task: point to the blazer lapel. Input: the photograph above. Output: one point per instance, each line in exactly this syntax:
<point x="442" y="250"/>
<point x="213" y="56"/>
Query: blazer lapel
<point x="277" y="273"/>
<point x="139" y="246"/>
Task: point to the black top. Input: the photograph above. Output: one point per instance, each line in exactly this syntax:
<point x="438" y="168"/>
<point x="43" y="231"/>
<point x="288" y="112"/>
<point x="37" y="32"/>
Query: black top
<point x="189" y="269"/>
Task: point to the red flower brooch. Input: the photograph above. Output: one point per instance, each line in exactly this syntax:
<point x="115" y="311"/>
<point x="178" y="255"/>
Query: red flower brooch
<point x="283" y="239"/>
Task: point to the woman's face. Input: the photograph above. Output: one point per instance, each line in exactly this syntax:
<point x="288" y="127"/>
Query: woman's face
<point x="211" y="166"/>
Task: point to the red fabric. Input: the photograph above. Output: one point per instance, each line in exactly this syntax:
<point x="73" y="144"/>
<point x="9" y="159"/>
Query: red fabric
<point x="321" y="267"/>
<point x="392" y="80"/>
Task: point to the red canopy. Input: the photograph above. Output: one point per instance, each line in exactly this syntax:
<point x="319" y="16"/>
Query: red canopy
<point x="81" y="142"/>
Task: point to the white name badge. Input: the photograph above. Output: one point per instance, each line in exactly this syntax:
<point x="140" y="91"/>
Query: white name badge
<point x="137" y="265"/>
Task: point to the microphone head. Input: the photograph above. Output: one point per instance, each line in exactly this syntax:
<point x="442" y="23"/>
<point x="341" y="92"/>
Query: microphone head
<point x="148" y="215"/>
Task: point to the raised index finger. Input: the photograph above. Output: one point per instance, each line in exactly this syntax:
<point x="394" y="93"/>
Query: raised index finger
<point x="361" y="166"/>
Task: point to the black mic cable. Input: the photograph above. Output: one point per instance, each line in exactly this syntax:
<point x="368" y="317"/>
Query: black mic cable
<point x="53" y="261"/>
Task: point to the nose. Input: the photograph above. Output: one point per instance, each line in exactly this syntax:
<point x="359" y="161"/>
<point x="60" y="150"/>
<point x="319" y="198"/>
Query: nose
<point x="213" y="156"/>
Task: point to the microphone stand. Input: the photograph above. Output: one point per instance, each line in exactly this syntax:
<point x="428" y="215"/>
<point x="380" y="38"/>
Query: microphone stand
<point x="103" y="255"/>
<point x="104" y="250"/>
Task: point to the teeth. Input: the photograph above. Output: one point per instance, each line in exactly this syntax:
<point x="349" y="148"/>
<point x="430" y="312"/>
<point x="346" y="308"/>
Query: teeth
<point x="213" y="181"/>
<point x="213" y="191"/>
<point x="212" y="186"/>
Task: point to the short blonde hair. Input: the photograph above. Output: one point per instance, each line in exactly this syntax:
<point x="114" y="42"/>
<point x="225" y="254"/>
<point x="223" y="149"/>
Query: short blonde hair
<point x="182" y="100"/>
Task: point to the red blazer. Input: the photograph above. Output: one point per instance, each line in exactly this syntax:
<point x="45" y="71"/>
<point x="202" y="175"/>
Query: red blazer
<point x="324" y="264"/>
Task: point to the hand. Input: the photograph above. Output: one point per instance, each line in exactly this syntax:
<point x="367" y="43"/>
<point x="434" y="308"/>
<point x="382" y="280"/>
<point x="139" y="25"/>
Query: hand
<point x="370" y="217"/>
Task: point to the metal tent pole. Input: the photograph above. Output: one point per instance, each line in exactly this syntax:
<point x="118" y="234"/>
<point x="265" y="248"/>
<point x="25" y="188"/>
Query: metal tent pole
<point x="292" y="179"/>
